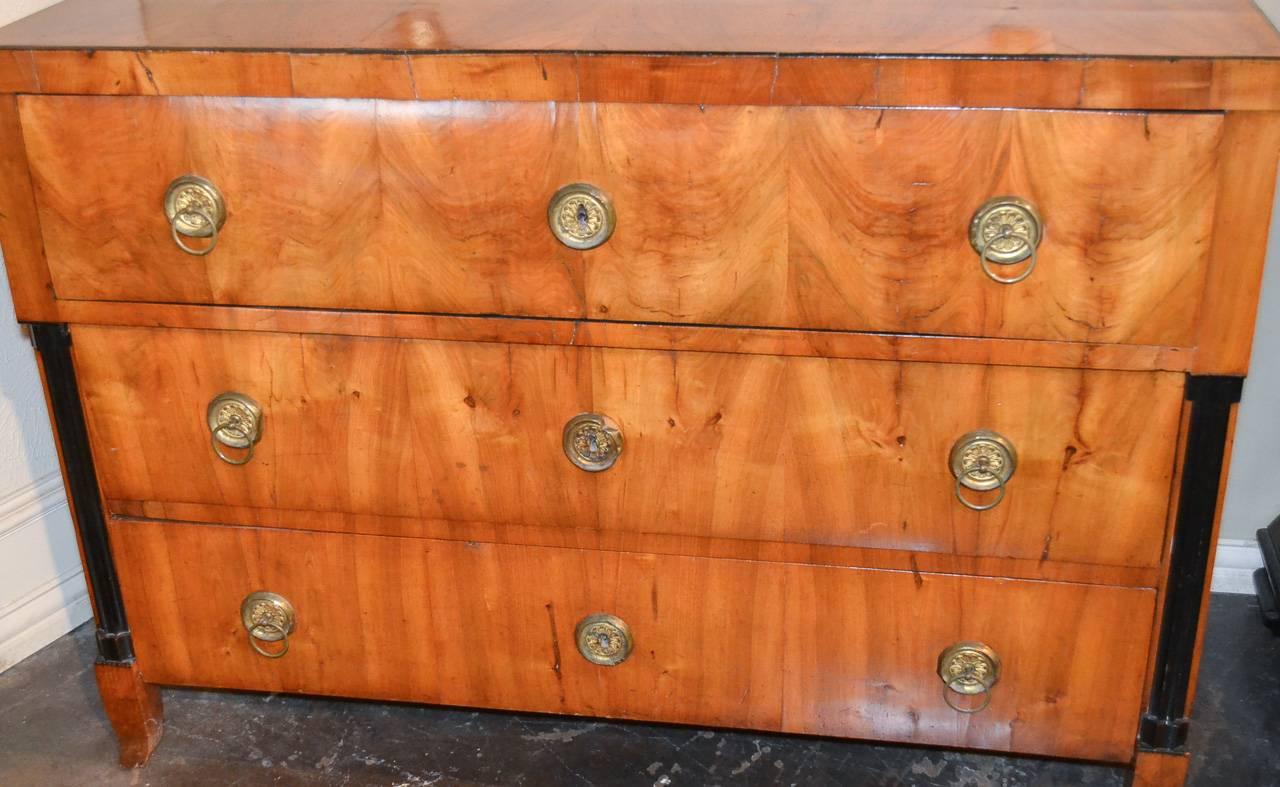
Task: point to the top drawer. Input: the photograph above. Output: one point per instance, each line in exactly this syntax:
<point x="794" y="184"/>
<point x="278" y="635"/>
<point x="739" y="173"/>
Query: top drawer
<point x="828" y="218"/>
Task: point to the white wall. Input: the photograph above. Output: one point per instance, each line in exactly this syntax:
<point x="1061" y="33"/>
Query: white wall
<point x="16" y="9"/>
<point x="42" y="592"/>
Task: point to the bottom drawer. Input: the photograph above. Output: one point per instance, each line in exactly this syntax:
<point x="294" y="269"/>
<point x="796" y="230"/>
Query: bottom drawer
<point x="773" y="646"/>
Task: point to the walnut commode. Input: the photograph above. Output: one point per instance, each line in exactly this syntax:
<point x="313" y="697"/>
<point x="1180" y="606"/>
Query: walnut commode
<point x="755" y="370"/>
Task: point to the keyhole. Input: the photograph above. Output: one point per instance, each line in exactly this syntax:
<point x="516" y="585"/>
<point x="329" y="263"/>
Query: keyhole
<point x="583" y="218"/>
<point x="603" y="640"/>
<point x="593" y="442"/>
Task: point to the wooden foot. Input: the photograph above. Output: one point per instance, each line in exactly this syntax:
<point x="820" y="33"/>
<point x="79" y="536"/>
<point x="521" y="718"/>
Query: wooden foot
<point x="1159" y="770"/>
<point x="134" y="710"/>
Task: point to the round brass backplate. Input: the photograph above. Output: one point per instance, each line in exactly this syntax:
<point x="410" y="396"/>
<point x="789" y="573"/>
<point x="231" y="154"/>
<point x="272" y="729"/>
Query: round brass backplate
<point x="267" y="616"/>
<point x="592" y="441"/>
<point x="1006" y="230"/>
<point x="191" y="203"/>
<point x="983" y="460"/>
<point x="581" y="216"/>
<point x="969" y="668"/>
<point x="603" y="639"/>
<point x="235" y="420"/>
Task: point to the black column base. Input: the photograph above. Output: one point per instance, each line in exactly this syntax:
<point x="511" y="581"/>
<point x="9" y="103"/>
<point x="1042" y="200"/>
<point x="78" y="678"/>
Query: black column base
<point x="1266" y="580"/>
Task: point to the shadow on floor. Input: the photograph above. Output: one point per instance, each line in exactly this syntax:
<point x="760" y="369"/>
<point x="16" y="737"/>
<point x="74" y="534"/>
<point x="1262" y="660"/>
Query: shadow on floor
<point x="52" y="732"/>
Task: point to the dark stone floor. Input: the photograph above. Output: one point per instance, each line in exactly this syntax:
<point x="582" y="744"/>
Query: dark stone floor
<point x="52" y="732"/>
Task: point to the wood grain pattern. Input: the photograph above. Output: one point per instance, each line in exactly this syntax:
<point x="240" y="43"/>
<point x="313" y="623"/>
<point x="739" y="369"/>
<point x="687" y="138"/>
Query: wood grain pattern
<point x="18" y="72"/>
<point x="1153" y="769"/>
<point x="724" y="643"/>
<point x="579" y="333"/>
<point x="134" y="709"/>
<point x="336" y="76"/>
<point x="892" y="253"/>
<point x="421" y="209"/>
<point x="24" y="260"/>
<point x="543" y="77"/>
<point x="1142" y="28"/>
<point x="676" y="80"/>
<point x="1096" y="83"/>
<point x="629" y="541"/>
<point x="432" y="208"/>
<point x="164" y="73"/>
<point x="717" y="445"/>
<point x="1251" y="150"/>
<point x="786" y="80"/>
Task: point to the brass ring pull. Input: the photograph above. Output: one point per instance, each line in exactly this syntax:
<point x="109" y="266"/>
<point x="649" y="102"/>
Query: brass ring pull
<point x="982" y="461"/>
<point x="968" y="669"/>
<point x="985" y="258"/>
<point x="1006" y="231"/>
<point x="268" y="617"/>
<point x="978" y="472"/>
<point x="235" y="421"/>
<point x="947" y="691"/>
<point x="269" y="632"/>
<point x="232" y="428"/>
<point x="177" y="233"/>
<point x="195" y="209"/>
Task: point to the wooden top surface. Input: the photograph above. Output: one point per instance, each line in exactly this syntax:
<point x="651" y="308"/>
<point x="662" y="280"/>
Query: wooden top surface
<point x="1116" y="28"/>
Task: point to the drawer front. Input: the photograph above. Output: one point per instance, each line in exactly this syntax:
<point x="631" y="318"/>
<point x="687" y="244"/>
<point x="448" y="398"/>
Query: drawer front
<point x="803" y="217"/>
<point x="820" y="451"/>
<point x="806" y="649"/>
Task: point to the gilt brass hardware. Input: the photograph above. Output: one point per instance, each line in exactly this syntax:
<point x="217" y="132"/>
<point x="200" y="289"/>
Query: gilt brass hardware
<point x="592" y="441"/>
<point x="581" y="216"/>
<point x="1006" y="231"/>
<point x="195" y="209"/>
<point x="982" y="461"/>
<point x="968" y="669"/>
<point x="268" y="617"/>
<point x="235" y="421"/>
<point x="603" y="639"/>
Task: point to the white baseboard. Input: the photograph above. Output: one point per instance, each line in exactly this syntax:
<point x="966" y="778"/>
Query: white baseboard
<point x="49" y="612"/>
<point x="1234" y="566"/>
<point x="44" y="594"/>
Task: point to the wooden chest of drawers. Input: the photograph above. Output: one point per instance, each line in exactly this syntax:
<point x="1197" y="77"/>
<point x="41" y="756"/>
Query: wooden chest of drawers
<point x="846" y="369"/>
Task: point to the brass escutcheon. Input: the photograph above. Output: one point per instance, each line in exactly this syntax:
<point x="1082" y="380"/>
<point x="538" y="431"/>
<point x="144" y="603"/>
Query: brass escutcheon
<point x="1006" y="231"/>
<point x="268" y="617"/>
<point x="603" y="639"/>
<point x="968" y="669"/>
<point x="581" y="216"/>
<point x="592" y="441"/>
<point x="195" y="209"/>
<point x="982" y="460"/>
<point x="235" y="421"/>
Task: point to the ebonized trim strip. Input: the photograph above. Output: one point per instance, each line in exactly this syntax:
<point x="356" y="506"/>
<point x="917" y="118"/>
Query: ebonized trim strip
<point x="1164" y="726"/>
<point x="53" y="342"/>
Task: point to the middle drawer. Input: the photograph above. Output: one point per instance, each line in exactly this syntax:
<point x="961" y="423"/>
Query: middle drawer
<point x="803" y="450"/>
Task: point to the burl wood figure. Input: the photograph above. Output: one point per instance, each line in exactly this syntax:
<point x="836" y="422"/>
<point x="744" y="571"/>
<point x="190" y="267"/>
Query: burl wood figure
<point x="855" y="369"/>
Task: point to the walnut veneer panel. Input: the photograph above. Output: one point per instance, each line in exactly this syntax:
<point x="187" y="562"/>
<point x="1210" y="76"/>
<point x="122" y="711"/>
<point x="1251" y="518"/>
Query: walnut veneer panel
<point x="814" y="218"/>
<point x="805" y="450"/>
<point x="1167" y="28"/>
<point x="717" y="642"/>
<point x="881" y="202"/>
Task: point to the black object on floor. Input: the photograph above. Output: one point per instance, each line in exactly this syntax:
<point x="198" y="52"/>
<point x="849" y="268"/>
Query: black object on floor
<point x="52" y="732"/>
<point x="1266" y="580"/>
